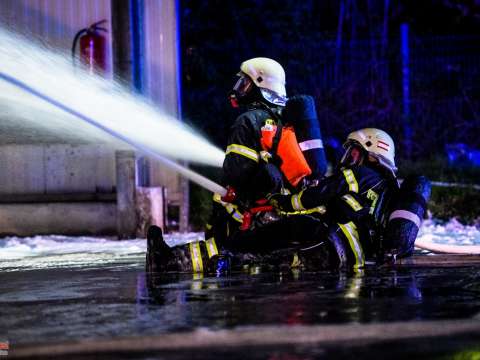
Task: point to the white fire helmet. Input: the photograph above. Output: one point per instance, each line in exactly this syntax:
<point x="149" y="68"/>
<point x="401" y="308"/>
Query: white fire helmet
<point x="377" y="143"/>
<point x="269" y="76"/>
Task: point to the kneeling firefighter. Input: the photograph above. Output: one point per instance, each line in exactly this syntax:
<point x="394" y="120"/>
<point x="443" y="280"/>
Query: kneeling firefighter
<point x="263" y="155"/>
<point x="367" y="216"/>
<point x="268" y="152"/>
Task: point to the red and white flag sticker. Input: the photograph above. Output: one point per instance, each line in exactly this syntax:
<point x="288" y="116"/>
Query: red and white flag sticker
<point x="382" y="145"/>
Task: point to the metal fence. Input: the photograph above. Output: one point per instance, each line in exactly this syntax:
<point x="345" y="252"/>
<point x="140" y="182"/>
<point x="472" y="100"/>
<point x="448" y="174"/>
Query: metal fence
<point x="360" y="84"/>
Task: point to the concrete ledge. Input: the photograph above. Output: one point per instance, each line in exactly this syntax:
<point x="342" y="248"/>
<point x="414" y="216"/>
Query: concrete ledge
<point x="82" y="218"/>
<point x="48" y="198"/>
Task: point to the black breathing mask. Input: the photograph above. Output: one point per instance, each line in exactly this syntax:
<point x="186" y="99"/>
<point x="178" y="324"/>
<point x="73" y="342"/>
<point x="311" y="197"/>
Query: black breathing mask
<point x="242" y="88"/>
<point x="354" y="154"/>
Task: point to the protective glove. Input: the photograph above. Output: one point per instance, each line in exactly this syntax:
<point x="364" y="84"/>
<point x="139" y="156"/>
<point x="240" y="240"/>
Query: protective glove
<point x="230" y="195"/>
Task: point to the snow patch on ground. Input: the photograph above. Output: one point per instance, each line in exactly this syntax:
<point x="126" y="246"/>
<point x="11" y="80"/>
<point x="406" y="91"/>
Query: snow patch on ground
<point x="53" y="251"/>
<point x="40" y="252"/>
<point x="452" y="233"/>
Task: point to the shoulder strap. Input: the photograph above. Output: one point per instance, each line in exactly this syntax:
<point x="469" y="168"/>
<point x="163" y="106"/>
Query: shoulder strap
<point x="272" y="113"/>
<point x="276" y="140"/>
<point x="278" y="133"/>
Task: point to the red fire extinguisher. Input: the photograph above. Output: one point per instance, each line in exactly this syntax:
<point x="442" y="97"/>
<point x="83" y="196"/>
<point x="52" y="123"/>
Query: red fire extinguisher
<point x="92" y="47"/>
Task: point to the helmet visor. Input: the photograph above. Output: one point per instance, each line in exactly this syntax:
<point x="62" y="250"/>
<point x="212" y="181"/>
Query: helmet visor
<point x="243" y="85"/>
<point x="354" y="154"/>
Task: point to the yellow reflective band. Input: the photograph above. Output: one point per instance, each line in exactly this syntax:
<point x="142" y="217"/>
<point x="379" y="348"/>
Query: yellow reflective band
<point x="354" y="285"/>
<point x="350" y="200"/>
<point x="351" y="181"/>
<point x="255" y="270"/>
<point x="211" y="247"/>
<point x="197" y="282"/>
<point x="196" y="257"/>
<point x="208" y="226"/>
<point x="231" y="209"/>
<point x="269" y="122"/>
<point x="319" y="209"/>
<point x="296" y="261"/>
<point x="197" y="276"/>
<point x="296" y="201"/>
<point x="372" y="195"/>
<point x="350" y="232"/>
<point x="242" y="150"/>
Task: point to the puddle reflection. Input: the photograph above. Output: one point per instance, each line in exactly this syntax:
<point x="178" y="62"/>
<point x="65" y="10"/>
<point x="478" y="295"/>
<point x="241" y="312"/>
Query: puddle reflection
<point x="292" y="297"/>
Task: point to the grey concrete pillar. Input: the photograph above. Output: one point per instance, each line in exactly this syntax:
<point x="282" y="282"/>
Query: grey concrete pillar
<point x="126" y="213"/>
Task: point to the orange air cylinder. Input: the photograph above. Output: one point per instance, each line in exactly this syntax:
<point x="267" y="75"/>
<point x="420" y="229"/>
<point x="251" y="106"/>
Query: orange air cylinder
<point x="294" y="166"/>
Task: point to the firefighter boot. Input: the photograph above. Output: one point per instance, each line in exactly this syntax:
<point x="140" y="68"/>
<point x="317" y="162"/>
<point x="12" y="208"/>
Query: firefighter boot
<point x="219" y="264"/>
<point x="159" y="254"/>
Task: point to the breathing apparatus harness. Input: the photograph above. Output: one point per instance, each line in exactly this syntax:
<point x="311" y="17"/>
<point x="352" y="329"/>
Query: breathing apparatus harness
<point x="282" y="150"/>
<point x="279" y="143"/>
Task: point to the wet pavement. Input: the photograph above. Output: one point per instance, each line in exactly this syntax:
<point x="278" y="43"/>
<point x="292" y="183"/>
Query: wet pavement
<point x="91" y="303"/>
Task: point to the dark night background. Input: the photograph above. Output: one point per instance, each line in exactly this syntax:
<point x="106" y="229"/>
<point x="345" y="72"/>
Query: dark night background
<point x="354" y="70"/>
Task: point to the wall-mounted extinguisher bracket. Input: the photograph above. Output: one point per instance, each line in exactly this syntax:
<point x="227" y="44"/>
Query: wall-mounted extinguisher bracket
<point x="92" y="47"/>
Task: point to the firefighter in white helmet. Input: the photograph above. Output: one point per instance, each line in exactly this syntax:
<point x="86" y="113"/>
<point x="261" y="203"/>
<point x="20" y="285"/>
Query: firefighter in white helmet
<point x="260" y="80"/>
<point x="248" y="171"/>
<point x="354" y="197"/>
<point x="260" y="91"/>
<point x="376" y="143"/>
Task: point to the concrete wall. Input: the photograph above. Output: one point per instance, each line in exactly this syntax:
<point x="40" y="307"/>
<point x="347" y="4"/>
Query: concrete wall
<point x="56" y="168"/>
<point x="80" y="214"/>
<point x="58" y="189"/>
<point x="72" y="190"/>
<point x="66" y="218"/>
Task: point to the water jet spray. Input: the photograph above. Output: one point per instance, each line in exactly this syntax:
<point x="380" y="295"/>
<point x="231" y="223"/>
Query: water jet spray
<point x="101" y="103"/>
<point x="182" y="170"/>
